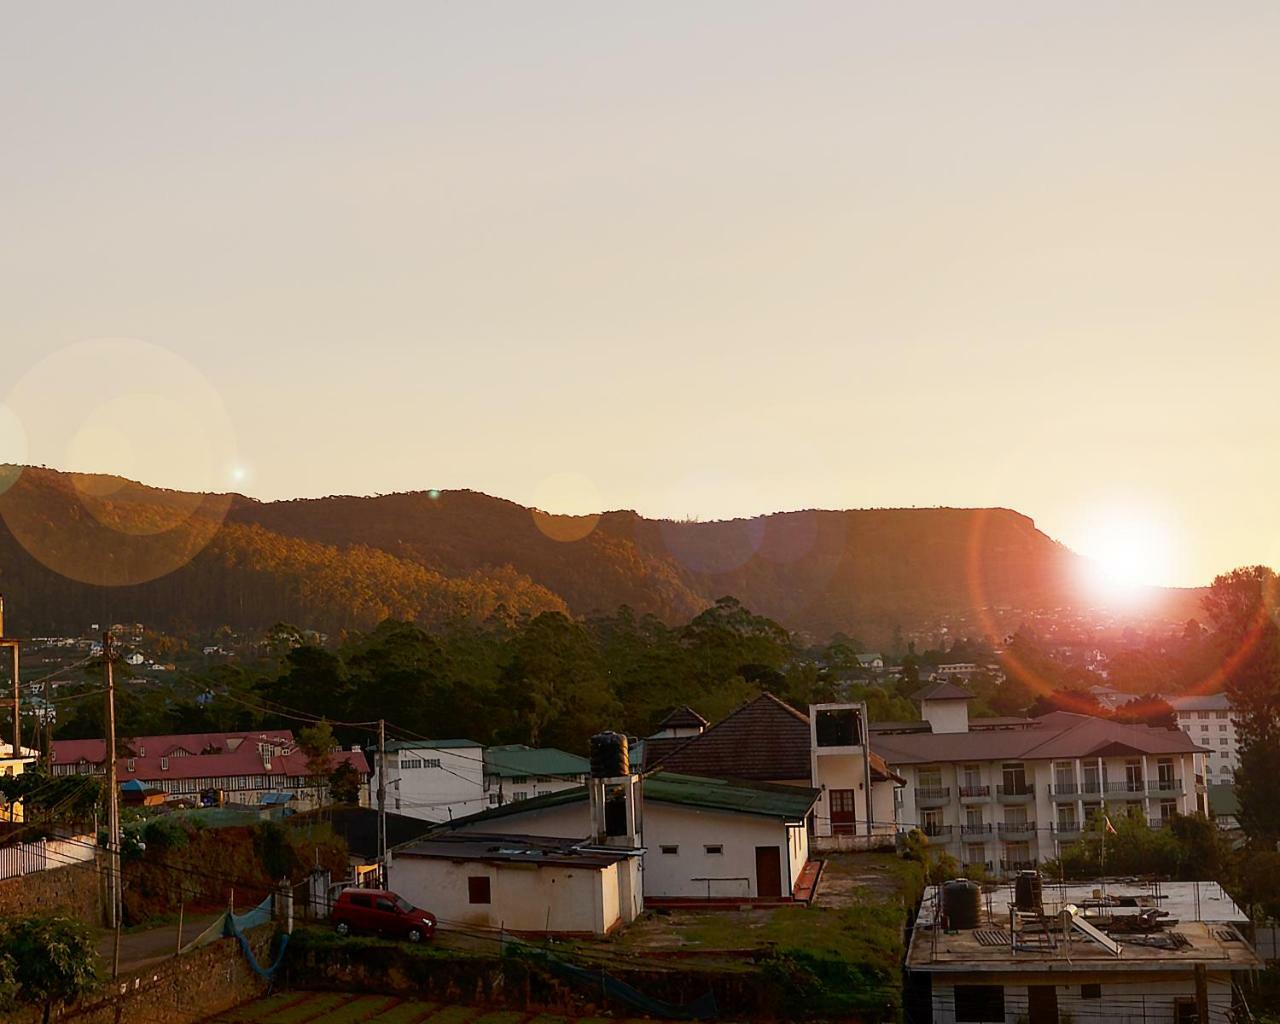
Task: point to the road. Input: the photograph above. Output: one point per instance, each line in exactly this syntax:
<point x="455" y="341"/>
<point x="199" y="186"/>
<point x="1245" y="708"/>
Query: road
<point x="151" y="945"/>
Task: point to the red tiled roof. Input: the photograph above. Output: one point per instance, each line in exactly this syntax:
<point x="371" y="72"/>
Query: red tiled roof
<point x="245" y="759"/>
<point x="683" y="718"/>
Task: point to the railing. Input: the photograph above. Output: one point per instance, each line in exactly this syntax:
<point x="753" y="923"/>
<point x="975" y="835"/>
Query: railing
<point x="44" y="854"/>
<point x="936" y="831"/>
<point x="985" y="865"/>
<point x="974" y="792"/>
<point x="1158" y="823"/>
<point x="1016" y="865"/>
<point x="1023" y="791"/>
<point x="1171" y="787"/>
<point x="1137" y="788"/>
<point x="1068" y="790"/>
<point x="1017" y="828"/>
<point x="932" y="794"/>
<point x="975" y="829"/>
<point x="1060" y="829"/>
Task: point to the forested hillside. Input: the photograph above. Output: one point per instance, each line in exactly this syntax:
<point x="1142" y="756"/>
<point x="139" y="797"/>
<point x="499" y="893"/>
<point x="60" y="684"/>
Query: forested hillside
<point x="77" y="549"/>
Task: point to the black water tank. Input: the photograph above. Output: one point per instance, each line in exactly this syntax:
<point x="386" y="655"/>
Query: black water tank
<point x="962" y="903"/>
<point x="1028" y="891"/>
<point x="610" y="756"/>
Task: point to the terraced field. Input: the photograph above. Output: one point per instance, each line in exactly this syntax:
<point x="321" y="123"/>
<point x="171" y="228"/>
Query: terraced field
<point x="341" y="1008"/>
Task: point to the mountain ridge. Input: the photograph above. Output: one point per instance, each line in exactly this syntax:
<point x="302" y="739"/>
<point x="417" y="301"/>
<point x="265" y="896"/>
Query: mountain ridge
<point x="81" y="544"/>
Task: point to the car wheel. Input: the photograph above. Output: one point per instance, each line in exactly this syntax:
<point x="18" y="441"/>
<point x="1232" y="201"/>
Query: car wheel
<point x="342" y="928"/>
<point x="415" y="934"/>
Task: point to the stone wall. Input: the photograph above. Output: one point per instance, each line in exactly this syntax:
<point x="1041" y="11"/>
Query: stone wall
<point x="181" y="990"/>
<point x="74" y="890"/>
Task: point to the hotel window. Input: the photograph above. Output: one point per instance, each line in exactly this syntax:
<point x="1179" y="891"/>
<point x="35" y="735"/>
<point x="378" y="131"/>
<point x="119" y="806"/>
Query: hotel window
<point x="1015" y="777"/>
<point x="411" y="762"/>
<point x="929" y="778"/>
<point x="431" y="762"/>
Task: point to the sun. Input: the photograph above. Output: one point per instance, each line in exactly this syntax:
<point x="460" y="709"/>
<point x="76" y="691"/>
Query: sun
<point x="1126" y="552"/>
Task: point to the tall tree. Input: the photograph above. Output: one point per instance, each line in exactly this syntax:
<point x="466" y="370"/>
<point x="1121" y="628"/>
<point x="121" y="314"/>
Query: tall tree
<point x="53" y="960"/>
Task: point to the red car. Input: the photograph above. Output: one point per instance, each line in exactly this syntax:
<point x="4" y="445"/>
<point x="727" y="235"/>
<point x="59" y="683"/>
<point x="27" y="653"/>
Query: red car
<point x="381" y="912"/>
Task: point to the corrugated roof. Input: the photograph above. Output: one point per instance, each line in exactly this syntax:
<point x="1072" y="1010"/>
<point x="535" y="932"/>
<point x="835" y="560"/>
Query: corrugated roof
<point x="787" y="803"/>
<point x="534" y="850"/>
<point x="1201" y="702"/>
<point x="517" y="760"/>
<point x="397" y="745"/>
<point x="1061" y="734"/>
<point x="1223" y="801"/>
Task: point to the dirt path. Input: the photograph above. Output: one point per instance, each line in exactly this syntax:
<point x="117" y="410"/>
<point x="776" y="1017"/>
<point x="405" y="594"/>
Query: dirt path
<point x="151" y="945"/>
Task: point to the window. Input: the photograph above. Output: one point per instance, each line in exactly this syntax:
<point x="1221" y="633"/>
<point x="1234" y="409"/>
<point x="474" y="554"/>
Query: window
<point x="714" y="850"/>
<point x="385" y="905"/>
<point x="931" y="821"/>
<point x="1202" y="714"/>
<point x="133" y="764"/>
<point x="1015" y="779"/>
<point x="1204" y="728"/>
<point x="838" y="727"/>
<point x="1219" y="714"/>
<point x="362" y="901"/>
<point x="979" y="1004"/>
<point x="519" y="780"/>
<point x="411" y="762"/>
<point x="493" y="799"/>
<point x="519" y="796"/>
<point x="1222" y="727"/>
<point x="1222" y="741"/>
<point x="1133" y="776"/>
<point x="1090" y="991"/>
<point x="478" y="889"/>
<point x="431" y="762"/>
<point x="669" y="851"/>
<point x="164" y="764"/>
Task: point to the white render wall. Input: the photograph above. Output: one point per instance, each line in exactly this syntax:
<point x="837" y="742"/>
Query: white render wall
<point x="1215" y="729"/>
<point x="452" y="790"/>
<point x="523" y="897"/>
<point x="1136" y="1000"/>
<point x="690" y="830"/>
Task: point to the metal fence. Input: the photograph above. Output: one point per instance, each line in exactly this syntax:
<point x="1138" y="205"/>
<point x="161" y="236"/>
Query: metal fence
<point x="20" y="859"/>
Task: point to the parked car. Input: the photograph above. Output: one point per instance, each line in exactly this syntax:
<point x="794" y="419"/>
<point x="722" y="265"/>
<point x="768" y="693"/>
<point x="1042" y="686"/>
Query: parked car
<point x="381" y="913"/>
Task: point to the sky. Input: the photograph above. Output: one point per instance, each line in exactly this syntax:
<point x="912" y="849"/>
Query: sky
<point x="703" y="260"/>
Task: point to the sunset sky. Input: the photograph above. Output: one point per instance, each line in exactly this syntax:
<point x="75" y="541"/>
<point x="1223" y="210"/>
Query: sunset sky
<point x="702" y="260"/>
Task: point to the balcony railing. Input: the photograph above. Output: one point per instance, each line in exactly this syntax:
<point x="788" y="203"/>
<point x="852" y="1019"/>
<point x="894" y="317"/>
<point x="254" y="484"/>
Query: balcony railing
<point x="1165" y="787"/>
<point x="984" y="865"/>
<point x="1017" y="829"/>
<point x="1067" y="829"/>
<point x="1137" y="788"/>
<point x="975" y="792"/>
<point x="1016" y="794"/>
<point x="936" y="831"/>
<point x="1010" y="866"/>
<point x="1064" y="791"/>
<point x="1158" y="823"/>
<point x="975" y="829"/>
<point x="932" y="795"/>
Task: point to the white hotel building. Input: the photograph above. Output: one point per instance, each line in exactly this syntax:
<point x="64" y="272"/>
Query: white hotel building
<point x="1007" y="793"/>
<point x="1210" y="721"/>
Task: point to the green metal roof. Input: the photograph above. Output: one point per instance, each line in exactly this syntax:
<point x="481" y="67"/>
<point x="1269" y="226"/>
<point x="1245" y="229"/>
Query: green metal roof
<point x="788" y="803"/>
<point x="1223" y="801"/>
<point x="517" y="760"/>
<point x="430" y="744"/>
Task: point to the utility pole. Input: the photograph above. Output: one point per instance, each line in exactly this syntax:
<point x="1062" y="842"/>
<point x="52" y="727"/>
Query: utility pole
<point x="382" y="801"/>
<point x="1202" y="993"/>
<point x="12" y="645"/>
<point x="114" y="914"/>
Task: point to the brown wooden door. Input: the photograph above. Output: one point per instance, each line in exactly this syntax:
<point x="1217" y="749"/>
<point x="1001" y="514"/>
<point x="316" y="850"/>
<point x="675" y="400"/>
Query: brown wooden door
<point x="1042" y="1004"/>
<point x="768" y="872"/>
<point x="843" y="811"/>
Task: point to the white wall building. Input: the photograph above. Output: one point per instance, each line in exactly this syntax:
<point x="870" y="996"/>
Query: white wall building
<point x="1008" y="793"/>
<point x="704" y="839"/>
<point x="518" y="884"/>
<point x="433" y="779"/>
<point x="1210" y="721"/>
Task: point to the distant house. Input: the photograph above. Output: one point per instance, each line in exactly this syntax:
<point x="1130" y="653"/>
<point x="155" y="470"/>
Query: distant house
<point x="1224" y="806"/>
<point x="236" y="767"/>
<point x="871" y="662"/>
<point x="520" y="884"/>
<point x="438" y="780"/>
<point x="12" y="763"/>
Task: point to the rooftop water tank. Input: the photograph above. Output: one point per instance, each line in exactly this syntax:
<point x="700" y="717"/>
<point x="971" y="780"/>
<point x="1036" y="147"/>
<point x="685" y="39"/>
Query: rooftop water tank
<point x="610" y="756"/>
<point x="961" y="903"/>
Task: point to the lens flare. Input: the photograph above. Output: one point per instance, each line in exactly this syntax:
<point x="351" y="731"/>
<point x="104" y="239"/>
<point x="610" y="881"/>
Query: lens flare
<point x="114" y="411"/>
<point x="571" y="492"/>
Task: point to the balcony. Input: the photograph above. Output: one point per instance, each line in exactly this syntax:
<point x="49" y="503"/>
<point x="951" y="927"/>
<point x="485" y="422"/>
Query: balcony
<point x="973" y="794"/>
<point x="1017" y="829"/>
<point x="937" y="831"/>
<point x="1165" y="787"/>
<point x="975" y="829"/>
<point x="1066" y="831"/>
<point x="1133" y="788"/>
<point x="973" y="867"/>
<point x="1156" y="824"/>
<point x="1022" y="793"/>
<point x="1064" y="791"/>
<point x="1009" y="867"/>
<point x="932" y="796"/>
